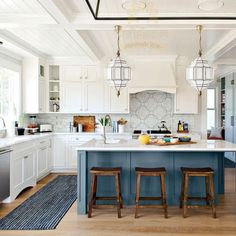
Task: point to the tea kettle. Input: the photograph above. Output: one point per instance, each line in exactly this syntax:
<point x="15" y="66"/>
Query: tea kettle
<point x="55" y="107"/>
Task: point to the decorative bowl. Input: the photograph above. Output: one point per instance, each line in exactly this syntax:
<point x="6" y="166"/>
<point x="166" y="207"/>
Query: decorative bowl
<point x="184" y="139"/>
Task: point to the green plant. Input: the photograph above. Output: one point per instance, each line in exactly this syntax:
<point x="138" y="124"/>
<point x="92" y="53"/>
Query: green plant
<point x="104" y="121"/>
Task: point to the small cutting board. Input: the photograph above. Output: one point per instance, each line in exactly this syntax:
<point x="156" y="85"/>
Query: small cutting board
<point x="88" y="122"/>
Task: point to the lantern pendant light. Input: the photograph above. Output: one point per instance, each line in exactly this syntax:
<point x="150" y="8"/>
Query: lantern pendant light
<point x="119" y="73"/>
<point x="199" y="74"/>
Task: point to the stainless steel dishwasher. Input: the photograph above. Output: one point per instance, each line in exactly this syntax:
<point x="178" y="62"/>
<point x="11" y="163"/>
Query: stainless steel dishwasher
<point x="4" y="173"/>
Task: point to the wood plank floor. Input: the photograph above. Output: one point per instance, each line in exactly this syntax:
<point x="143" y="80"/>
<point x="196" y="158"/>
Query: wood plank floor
<point x="151" y="221"/>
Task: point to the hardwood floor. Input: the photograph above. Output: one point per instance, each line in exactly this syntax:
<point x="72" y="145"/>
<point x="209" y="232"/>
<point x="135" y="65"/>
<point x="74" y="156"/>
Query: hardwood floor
<point x="151" y="221"/>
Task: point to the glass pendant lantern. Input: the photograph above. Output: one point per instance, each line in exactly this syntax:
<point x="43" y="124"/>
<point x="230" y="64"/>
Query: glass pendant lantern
<point x="118" y="72"/>
<point x="199" y="74"/>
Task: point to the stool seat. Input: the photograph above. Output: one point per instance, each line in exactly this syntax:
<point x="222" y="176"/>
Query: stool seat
<point x="142" y="169"/>
<point x="105" y="169"/>
<point x="197" y="170"/>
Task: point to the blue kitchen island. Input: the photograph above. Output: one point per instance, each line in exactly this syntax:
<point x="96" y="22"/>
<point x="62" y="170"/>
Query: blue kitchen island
<point x="129" y="154"/>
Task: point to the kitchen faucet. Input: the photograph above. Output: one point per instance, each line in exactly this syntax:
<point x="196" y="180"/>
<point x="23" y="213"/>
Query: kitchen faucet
<point x="106" y="118"/>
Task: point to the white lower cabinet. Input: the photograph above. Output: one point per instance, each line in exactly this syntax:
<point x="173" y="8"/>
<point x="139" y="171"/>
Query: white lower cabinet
<point x="22" y="170"/>
<point x="44" y="165"/>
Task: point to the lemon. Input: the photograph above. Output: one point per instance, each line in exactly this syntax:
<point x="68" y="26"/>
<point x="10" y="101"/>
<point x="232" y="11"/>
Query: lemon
<point x="144" y="139"/>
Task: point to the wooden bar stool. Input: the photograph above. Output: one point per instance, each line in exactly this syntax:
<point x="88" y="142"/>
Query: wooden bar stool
<point x="100" y="171"/>
<point x="210" y="199"/>
<point x="150" y="172"/>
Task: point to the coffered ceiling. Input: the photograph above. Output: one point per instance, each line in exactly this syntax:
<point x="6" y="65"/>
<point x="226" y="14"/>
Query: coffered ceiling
<point x="66" y="28"/>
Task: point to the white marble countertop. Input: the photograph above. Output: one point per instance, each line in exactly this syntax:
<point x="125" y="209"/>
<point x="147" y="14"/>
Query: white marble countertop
<point x="9" y="141"/>
<point x="133" y="145"/>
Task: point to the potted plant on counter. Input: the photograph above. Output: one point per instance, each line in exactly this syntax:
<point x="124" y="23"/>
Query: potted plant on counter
<point x="121" y="125"/>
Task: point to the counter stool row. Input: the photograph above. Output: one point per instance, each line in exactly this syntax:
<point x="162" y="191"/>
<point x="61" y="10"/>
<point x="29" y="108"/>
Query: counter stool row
<point x="155" y="172"/>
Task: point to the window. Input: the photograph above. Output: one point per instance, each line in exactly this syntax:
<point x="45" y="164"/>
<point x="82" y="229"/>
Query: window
<point x="9" y="95"/>
<point x="211" y="108"/>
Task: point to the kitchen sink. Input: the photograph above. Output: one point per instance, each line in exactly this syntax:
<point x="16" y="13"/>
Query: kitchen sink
<point x="112" y="141"/>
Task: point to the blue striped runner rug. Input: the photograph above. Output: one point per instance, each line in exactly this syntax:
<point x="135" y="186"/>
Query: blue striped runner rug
<point x="44" y="209"/>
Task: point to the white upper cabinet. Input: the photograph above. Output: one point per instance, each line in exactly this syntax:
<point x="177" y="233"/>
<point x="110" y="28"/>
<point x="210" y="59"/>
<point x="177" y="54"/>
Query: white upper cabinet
<point x="186" y="97"/>
<point x="71" y="97"/>
<point x="115" y="104"/>
<point x="34" y="76"/>
<point x="80" y="89"/>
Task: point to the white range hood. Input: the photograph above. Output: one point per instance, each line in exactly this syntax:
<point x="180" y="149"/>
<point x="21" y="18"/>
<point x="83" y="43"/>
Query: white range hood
<point x="153" y="73"/>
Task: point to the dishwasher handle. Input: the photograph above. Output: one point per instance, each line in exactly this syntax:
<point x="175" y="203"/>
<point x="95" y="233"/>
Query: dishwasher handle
<point x="3" y="151"/>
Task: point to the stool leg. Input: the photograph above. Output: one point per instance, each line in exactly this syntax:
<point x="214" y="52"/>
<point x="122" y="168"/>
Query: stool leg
<point x="182" y="191"/>
<point x="121" y="200"/>
<point x="118" y="196"/>
<point x="212" y="196"/>
<point x="93" y="187"/>
<point x="95" y="190"/>
<point x="163" y="194"/>
<point x="137" y="194"/>
<point x="186" y="177"/>
<point x="207" y="189"/>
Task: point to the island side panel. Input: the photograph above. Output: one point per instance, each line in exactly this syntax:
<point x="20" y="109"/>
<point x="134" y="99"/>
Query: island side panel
<point x="196" y="184"/>
<point x="81" y="182"/>
<point x="106" y="184"/>
<point x="150" y="186"/>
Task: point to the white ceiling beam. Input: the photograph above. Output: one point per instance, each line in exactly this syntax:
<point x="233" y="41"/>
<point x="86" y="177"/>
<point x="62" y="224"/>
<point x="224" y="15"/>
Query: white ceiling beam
<point x="57" y="14"/>
<point x="14" y="40"/>
<point x="221" y="46"/>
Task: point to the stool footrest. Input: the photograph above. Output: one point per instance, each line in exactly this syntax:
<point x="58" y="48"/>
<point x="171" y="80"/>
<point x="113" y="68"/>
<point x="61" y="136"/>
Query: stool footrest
<point x="150" y="198"/>
<point x="197" y="198"/>
<point x="150" y="206"/>
<point x="198" y="206"/>
<point x="107" y="206"/>
<point x="106" y="198"/>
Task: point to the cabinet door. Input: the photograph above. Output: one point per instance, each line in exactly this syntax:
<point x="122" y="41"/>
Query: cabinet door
<point x="59" y="152"/>
<point x="71" y="73"/>
<point x="186" y="97"/>
<point x="186" y="101"/>
<point x="29" y="166"/>
<point x="92" y="97"/>
<point x="17" y="174"/>
<point x="42" y="95"/>
<point x="90" y="73"/>
<point x="42" y="161"/>
<point x="119" y="104"/>
<point x="71" y="155"/>
<point x="71" y="97"/>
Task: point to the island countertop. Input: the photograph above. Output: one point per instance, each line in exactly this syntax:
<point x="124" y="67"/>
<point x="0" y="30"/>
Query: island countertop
<point x="133" y="145"/>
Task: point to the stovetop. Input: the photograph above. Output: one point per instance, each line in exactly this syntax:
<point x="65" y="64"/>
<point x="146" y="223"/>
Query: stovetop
<point x="152" y="131"/>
